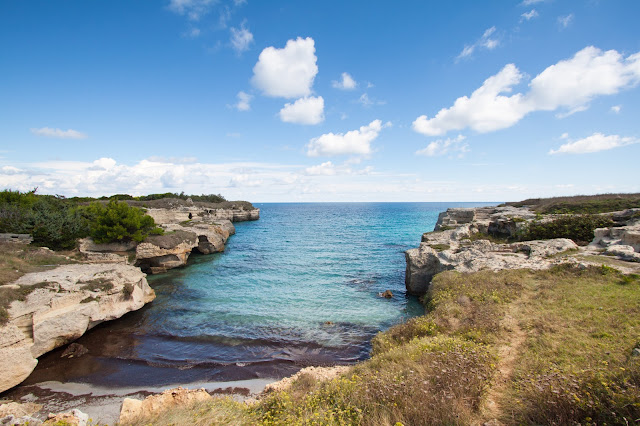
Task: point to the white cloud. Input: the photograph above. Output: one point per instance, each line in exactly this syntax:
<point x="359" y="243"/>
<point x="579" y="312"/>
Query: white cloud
<point x="193" y="9"/>
<point x="357" y="142"/>
<point x="576" y="81"/>
<point x="193" y="33"/>
<point x="288" y="72"/>
<point x="10" y="170"/>
<point x="565" y="21"/>
<point x="594" y="143"/>
<point x="239" y="2"/>
<point x="244" y="101"/>
<point x="530" y="2"/>
<point x="59" y="133"/>
<point x="307" y="110"/>
<point x="530" y="15"/>
<point x="346" y="83"/>
<point x="616" y="109"/>
<point x="241" y="38"/>
<point x="569" y="84"/>
<point x="366" y="101"/>
<point x="330" y="169"/>
<point x="485" y="111"/>
<point x="445" y="146"/>
<point x="485" y="42"/>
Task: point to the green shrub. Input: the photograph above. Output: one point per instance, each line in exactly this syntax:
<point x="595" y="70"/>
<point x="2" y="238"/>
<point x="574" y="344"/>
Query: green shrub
<point x="117" y="221"/>
<point x="51" y="220"/>
<point x="578" y="228"/>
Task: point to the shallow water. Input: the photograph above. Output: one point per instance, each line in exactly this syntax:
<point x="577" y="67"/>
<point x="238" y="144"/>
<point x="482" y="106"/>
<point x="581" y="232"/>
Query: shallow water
<point x="298" y="287"/>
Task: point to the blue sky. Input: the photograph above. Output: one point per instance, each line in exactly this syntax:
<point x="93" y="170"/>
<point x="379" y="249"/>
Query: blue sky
<point x="321" y="100"/>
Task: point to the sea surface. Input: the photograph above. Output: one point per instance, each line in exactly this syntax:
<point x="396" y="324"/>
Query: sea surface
<point x="298" y="287"/>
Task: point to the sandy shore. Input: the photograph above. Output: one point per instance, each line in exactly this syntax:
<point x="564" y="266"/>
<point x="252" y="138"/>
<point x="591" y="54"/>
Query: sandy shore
<point x="102" y="404"/>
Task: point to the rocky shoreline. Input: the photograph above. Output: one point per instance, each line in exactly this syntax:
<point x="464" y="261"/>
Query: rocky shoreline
<point x="54" y="307"/>
<point x="464" y="239"/>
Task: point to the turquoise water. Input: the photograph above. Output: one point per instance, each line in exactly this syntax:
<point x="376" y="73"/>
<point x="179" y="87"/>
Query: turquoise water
<point x="298" y="287"/>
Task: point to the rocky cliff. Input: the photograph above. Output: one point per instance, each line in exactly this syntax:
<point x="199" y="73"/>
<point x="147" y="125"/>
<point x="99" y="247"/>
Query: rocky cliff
<point x="55" y="307"/>
<point x="464" y="240"/>
<point x="187" y="227"/>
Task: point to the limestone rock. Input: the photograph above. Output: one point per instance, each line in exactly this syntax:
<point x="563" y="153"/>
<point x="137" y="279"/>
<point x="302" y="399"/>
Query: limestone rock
<point x="623" y="252"/>
<point x="74" y="417"/>
<point x="319" y="374"/>
<point x="133" y="409"/>
<point x="157" y="253"/>
<point x="19" y="410"/>
<point x="628" y="235"/>
<point x="64" y="304"/>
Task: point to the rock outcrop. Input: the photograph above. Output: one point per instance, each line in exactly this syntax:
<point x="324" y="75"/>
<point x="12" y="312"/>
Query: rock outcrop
<point x="452" y="246"/>
<point x="57" y="306"/>
<point x="621" y="241"/>
<point x="134" y="409"/>
<point x="187" y="228"/>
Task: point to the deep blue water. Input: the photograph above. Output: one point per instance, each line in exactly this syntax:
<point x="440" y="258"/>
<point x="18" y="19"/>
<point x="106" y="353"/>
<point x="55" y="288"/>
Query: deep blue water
<point x="298" y="287"/>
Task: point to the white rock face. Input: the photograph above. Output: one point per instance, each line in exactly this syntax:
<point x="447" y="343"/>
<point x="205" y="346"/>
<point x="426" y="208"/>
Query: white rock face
<point x="134" y="409"/>
<point x="451" y="249"/>
<point x="65" y="303"/>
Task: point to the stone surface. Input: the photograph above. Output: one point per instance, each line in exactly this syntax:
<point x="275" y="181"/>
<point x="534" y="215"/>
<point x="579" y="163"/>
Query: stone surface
<point x="453" y="249"/>
<point x="65" y="303"/>
<point x="19" y="410"/>
<point x="628" y="235"/>
<point x="319" y="374"/>
<point x="74" y="417"/>
<point x="133" y="409"/>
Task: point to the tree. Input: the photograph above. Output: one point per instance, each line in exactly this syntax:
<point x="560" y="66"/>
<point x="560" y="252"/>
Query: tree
<point x="117" y="221"/>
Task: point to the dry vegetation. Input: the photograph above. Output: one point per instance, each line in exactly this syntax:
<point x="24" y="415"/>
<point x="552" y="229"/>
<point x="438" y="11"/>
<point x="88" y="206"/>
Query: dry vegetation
<point x="581" y="204"/>
<point x="572" y="363"/>
<point x="19" y="259"/>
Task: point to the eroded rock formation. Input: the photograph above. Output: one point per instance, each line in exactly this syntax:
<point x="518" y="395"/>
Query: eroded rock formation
<point x="452" y="246"/>
<point x="59" y="306"/>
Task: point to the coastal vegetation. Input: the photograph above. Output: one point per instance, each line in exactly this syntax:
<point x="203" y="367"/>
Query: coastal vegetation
<point x="58" y="222"/>
<point x="581" y="204"/>
<point x="576" y="227"/>
<point x="562" y="342"/>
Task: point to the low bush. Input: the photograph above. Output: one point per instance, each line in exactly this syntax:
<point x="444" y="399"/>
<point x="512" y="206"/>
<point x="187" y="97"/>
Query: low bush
<point x="578" y="228"/>
<point x="117" y="221"/>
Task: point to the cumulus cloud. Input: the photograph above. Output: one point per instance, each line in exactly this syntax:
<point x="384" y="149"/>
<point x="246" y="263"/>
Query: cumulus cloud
<point x="445" y="146"/>
<point x="565" y="21"/>
<point x="307" y="110"/>
<point x="530" y="2"/>
<point x="487" y="109"/>
<point x="594" y="143"/>
<point x="244" y="101"/>
<point x="241" y="38"/>
<point x="616" y="109"/>
<point x="192" y="9"/>
<point x="346" y="83"/>
<point x="357" y="142"/>
<point x="569" y="84"/>
<point x="530" y="15"/>
<point x="59" y="133"/>
<point x="288" y="72"/>
<point x="485" y="42"/>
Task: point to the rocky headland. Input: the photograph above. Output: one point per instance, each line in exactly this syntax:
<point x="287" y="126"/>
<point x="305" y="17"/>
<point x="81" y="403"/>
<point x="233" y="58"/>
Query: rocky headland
<point x="487" y="238"/>
<point x="47" y="309"/>
<point x="188" y="226"/>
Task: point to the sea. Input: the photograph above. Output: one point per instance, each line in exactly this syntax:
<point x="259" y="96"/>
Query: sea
<point x="299" y="287"/>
